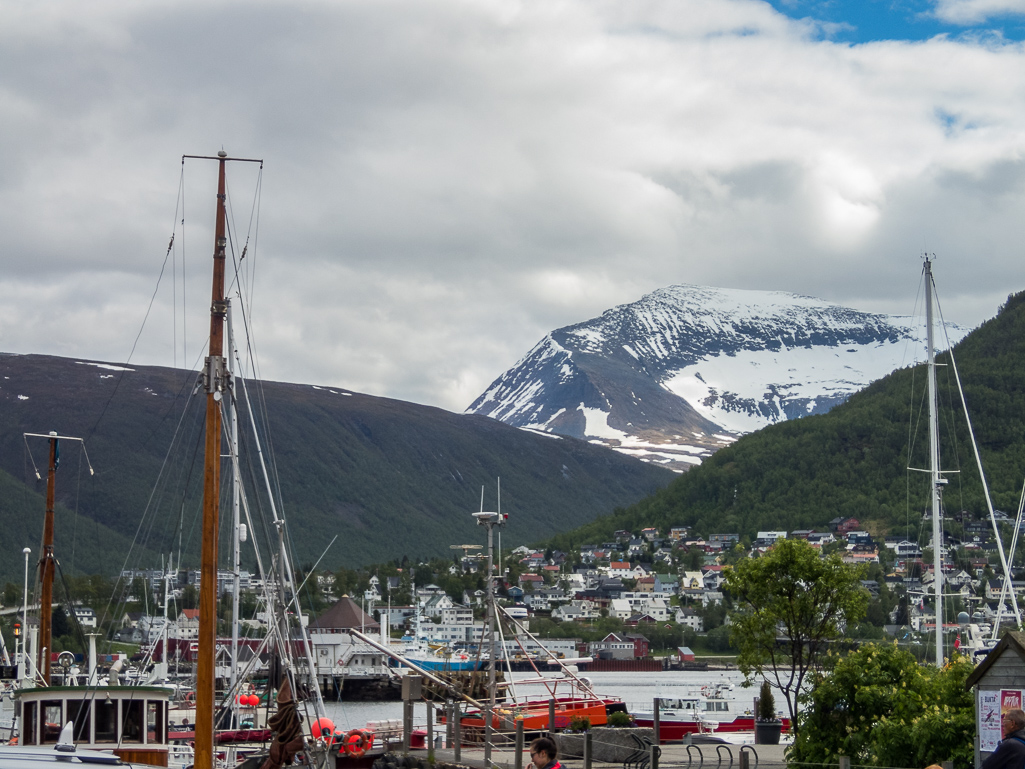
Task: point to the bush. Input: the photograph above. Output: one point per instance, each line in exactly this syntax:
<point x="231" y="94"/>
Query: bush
<point x="620" y="719"/>
<point x="879" y="706"/>
<point x="580" y="724"/>
<point x="766" y="703"/>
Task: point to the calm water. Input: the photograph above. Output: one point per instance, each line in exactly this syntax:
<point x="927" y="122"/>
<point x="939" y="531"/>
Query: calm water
<point x="635" y="689"/>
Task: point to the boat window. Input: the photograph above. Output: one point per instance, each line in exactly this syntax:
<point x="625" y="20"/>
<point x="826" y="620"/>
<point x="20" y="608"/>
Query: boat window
<point x="78" y="712"/>
<point x="721" y="706"/>
<point x="155" y="723"/>
<point x="28" y="717"/>
<point x="52" y="721"/>
<point x="106" y="721"/>
<point x="132" y="720"/>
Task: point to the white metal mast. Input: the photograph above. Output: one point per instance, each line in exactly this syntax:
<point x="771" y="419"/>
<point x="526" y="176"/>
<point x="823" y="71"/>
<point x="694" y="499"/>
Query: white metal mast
<point x="231" y="412"/>
<point x="490" y="520"/>
<point x="936" y="481"/>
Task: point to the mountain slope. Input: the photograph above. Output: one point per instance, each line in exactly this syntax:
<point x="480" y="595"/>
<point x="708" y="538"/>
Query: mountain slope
<point x="686" y="369"/>
<point x="854" y="460"/>
<point x="389" y="478"/>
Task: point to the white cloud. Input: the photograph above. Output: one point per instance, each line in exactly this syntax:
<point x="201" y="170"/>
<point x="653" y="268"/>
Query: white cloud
<point x="976" y="11"/>
<point x="447" y="181"/>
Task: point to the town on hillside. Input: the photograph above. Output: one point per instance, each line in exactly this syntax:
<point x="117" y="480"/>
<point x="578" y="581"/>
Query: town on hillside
<point x="641" y="595"/>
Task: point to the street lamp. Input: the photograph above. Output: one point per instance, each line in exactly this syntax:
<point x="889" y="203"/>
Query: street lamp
<point x="24" y="617"/>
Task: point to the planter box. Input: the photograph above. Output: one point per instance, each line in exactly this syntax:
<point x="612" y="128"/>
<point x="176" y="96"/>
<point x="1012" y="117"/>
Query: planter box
<point x="608" y="745"/>
<point x="767" y="732"/>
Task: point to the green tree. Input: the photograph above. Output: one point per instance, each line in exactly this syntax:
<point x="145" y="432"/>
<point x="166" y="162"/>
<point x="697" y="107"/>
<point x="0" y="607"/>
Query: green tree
<point x="880" y="707"/>
<point x="789" y="604"/>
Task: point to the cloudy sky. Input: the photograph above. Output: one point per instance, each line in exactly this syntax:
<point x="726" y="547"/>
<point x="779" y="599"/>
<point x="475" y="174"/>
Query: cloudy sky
<point x="447" y="180"/>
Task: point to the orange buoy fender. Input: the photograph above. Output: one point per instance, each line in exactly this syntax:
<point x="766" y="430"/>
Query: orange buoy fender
<point x="356" y="743"/>
<point x="323" y="728"/>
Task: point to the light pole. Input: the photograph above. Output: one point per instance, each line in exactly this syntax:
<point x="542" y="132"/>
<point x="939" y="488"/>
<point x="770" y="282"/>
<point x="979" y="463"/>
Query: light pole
<point x="24" y="617"/>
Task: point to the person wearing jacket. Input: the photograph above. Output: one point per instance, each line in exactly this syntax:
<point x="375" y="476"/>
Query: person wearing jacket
<point x="543" y="754"/>
<point x="1010" y="753"/>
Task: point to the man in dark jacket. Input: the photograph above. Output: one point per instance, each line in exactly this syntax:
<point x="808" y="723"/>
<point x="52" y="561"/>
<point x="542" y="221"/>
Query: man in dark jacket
<point x="1010" y="753"/>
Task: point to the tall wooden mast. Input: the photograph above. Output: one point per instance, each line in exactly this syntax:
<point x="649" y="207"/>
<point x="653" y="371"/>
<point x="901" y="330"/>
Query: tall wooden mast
<point x="214" y="380"/>
<point x="47" y="562"/>
<point x="46" y="568"/>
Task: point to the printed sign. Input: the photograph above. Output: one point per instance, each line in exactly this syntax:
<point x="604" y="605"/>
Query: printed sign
<point x="989" y="720"/>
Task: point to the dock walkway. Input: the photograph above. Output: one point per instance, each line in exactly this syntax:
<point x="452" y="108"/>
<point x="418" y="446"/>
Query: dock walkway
<point x="674" y="756"/>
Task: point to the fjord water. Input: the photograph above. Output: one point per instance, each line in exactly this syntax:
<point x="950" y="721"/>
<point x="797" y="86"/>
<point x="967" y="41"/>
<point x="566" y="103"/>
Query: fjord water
<point x="636" y="689"/>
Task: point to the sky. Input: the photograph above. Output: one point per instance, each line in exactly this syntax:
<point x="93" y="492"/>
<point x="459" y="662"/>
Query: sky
<point x="445" y="181"/>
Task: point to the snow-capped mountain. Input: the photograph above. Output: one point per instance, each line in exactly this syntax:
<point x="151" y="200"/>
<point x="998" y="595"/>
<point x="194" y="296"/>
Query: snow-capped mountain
<point x="687" y="369"/>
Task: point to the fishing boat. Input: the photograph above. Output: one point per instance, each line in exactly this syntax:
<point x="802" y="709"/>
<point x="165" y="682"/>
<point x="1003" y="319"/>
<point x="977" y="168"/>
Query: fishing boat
<point x="436" y="657"/>
<point x="560" y="699"/>
<point x="58" y="723"/>
<point x="691" y="709"/>
<point x="108" y="722"/>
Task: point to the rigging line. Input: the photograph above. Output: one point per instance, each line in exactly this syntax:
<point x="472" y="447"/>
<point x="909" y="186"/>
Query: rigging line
<point x="149" y="308"/>
<point x="244" y="501"/>
<point x="185" y="326"/>
<point x="989" y="504"/>
<point x="156" y="485"/>
<point x="78" y="493"/>
<point x="263" y="412"/>
<point x="252" y="475"/>
<point x="179" y="203"/>
<point x="164" y="479"/>
<point x="255" y="229"/>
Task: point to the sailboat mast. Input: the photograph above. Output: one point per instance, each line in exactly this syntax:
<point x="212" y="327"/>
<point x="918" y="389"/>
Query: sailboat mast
<point x="936" y="481"/>
<point x="214" y="377"/>
<point x="46" y="568"/>
<point x="236" y="493"/>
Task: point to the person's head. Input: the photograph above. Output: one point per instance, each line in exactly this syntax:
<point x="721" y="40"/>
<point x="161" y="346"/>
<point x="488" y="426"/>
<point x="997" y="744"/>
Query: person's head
<point x="542" y="752"/>
<point x="1012" y="721"/>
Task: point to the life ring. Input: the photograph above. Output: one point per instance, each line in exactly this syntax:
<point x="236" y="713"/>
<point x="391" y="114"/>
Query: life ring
<point x="357" y="742"/>
<point x="190" y="699"/>
<point x="12" y="741"/>
<point x="340" y="663"/>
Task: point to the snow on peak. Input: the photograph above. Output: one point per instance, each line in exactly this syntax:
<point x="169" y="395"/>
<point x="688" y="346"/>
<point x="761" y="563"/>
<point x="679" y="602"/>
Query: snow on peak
<point x="699" y="361"/>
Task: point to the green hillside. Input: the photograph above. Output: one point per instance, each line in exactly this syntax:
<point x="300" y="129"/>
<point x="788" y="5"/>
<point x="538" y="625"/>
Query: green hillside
<point x="853" y="461"/>
<point x="388" y="478"/>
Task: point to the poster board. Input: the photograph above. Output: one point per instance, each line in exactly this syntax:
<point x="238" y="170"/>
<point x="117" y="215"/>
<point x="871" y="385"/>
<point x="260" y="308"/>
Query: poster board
<point x="992" y="704"/>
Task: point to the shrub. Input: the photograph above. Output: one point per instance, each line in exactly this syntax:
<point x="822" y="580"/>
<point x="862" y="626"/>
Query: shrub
<point x="620" y="719"/>
<point x="580" y="724"/>
<point x="766" y="703"/>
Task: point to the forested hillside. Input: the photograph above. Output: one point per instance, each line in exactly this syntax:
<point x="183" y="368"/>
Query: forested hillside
<point x="388" y="478"/>
<point x="854" y="460"/>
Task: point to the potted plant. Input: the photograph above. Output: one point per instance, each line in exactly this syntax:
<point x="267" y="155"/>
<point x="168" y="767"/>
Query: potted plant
<point x="767" y="726"/>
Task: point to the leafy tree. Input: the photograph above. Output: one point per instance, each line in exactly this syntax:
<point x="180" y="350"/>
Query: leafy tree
<point x="790" y="603"/>
<point x="12" y="595"/>
<point x="190" y="597"/>
<point x="880" y="707"/>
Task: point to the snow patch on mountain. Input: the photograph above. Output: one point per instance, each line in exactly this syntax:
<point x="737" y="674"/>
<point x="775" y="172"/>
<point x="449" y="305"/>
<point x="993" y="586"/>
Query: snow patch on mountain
<point x="687" y="369"/>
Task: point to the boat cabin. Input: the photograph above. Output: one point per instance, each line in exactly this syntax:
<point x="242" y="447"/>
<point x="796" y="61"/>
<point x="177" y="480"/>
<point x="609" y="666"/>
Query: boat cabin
<point x="671" y="706"/>
<point x="130" y="721"/>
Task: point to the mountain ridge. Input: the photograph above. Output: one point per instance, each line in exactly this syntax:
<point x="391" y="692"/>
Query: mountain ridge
<point x="854" y="461"/>
<point x="684" y="370"/>
<point x="389" y="477"/>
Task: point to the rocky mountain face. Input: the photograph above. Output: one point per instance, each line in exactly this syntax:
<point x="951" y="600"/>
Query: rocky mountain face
<point x="687" y="369"/>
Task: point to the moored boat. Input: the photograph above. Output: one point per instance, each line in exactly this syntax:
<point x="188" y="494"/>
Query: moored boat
<point x="698" y="710"/>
